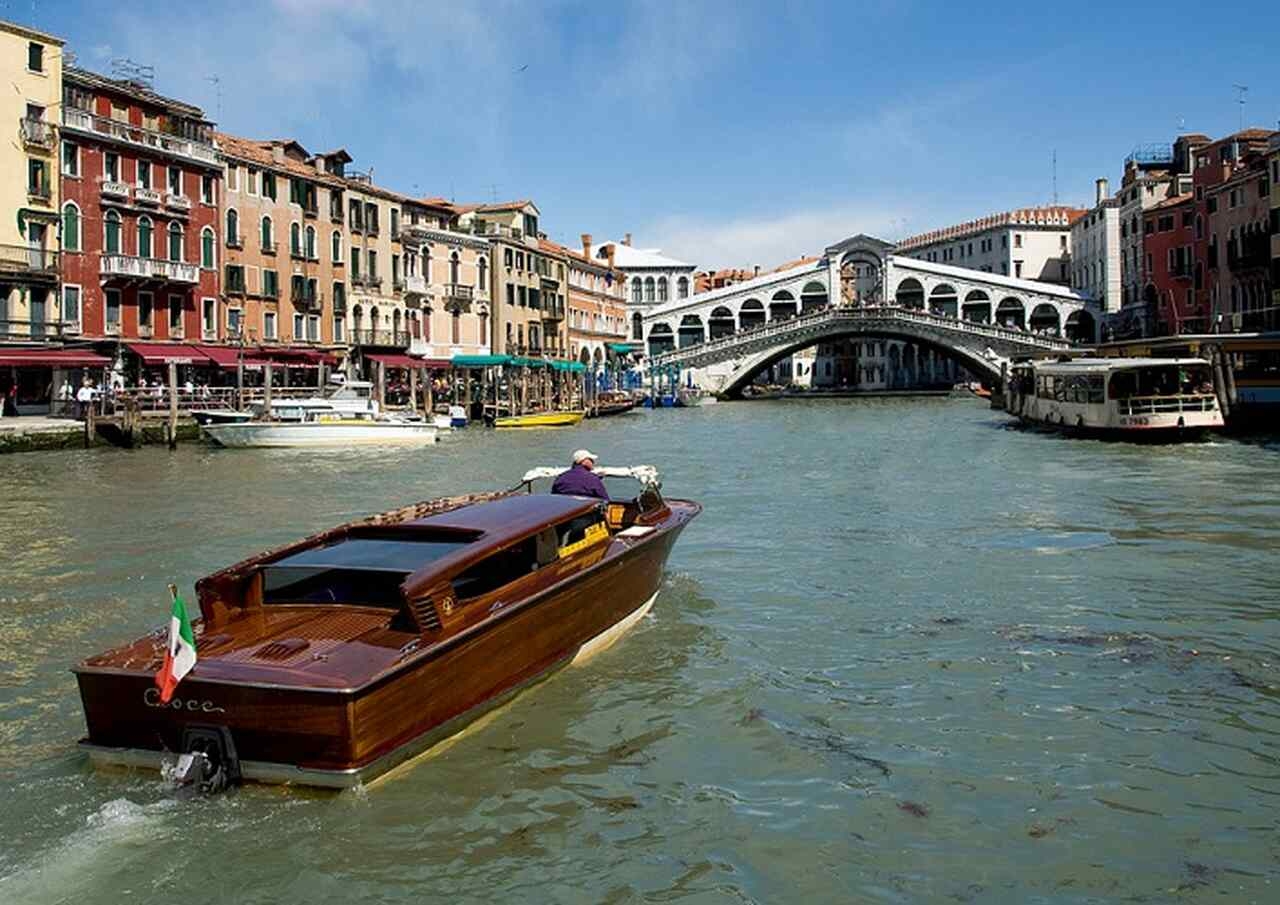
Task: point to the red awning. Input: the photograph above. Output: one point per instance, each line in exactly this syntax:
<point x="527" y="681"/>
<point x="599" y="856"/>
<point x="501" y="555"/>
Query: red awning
<point x="52" y="358"/>
<point x="397" y="360"/>
<point x="155" y="354"/>
<point x="298" y="358"/>
<point x="228" y="358"/>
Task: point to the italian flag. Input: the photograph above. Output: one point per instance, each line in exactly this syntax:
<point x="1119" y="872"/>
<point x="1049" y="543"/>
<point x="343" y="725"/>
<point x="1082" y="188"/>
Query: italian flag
<point x="180" y="655"/>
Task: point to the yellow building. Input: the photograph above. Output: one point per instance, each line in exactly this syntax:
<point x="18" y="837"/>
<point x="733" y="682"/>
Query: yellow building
<point x="31" y="73"/>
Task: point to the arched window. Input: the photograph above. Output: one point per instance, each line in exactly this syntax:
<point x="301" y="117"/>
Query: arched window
<point x="662" y="289"/>
<point x="426" y="263"/>
<point x="648" y="289"/>
<point x="682" y="287"/>
<point x="146" y="239"/>
<point x="295" y="239"/>
<point x="206" y="248"/>
<point x="175" y="242"/>
<point x="111" y="232"/>
<point x="70" y="227"/>
<point x="637" y="291"/>
<point x="311" y="243"/>
<point x="336" y="242"/>
<point x="457" y="327"/>
<point x="453" y="268"/>
<point x="267" y="234"/>
<point x="482" y="267"/>
<point x="637" y="325"/>
<point x="484" y="330"/>
<point x="233" y="227"/>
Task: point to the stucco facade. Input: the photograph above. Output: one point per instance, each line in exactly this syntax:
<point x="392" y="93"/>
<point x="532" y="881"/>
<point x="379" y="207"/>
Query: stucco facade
<point x="1030" y="243"/>
<point x="31" y="70"/>
<point x="1095" y="255"/>
<point x="447" y="279"/>
<point x="597" y="305"/>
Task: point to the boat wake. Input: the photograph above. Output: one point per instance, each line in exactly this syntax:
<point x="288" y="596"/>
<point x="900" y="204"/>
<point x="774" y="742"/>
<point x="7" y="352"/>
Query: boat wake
<point x="73" y="868"/>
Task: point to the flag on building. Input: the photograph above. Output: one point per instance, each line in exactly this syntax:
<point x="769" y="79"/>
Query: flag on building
<point x="180" y="655"/>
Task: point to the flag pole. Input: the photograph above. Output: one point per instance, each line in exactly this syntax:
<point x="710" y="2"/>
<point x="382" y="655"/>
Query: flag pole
<point x="173" y="592"/>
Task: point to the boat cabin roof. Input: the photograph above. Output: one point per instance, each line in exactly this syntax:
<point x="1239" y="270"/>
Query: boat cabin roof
<point x="1107" y="365"/>
<point x="511" y="516"/>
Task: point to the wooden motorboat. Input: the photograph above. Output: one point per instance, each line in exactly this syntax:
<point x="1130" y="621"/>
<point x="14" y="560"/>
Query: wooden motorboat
<point x="612" y="403"/>
<point x="322" y="430"/>
<point x="540" y="419"/>
<point x="220" y="416"/>
<point x="333" y="659"/>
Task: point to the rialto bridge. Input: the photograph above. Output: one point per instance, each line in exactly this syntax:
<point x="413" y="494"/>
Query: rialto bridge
<point x="970" y="315"/>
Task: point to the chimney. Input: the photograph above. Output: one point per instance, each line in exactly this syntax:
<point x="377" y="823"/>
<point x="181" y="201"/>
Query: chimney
<point x="626" y="240"/>
<point x="586" y="245"/>
<point x="277" y="152"/>
<point x="1102" y="187"/>
<point x="757" y="273"/>
<point x="609" y="247"/>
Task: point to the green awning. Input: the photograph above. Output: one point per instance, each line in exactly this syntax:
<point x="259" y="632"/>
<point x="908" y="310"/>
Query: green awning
<point x="520" y="362"/>
<point x="479" y="361"/>
<point x="621" y="348"/>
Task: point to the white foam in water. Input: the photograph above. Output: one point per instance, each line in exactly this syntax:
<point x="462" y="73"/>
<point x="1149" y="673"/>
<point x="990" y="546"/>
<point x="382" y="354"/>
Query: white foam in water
<point x="70" y="869"/>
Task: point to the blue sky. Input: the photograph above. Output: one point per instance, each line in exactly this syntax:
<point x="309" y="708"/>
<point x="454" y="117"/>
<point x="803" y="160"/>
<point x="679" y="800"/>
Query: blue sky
<point x="729" y="133"/>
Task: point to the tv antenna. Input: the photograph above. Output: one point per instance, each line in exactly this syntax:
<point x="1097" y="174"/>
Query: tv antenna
<point x="1241" y="91"/>
<point x="1055" y="176"/>
<point x="217" y="92"/>
<point x="129" y="70"/>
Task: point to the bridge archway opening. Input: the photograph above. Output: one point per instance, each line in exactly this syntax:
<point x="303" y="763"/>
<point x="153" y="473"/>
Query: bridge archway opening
<point x="859" y="277"/>
<point x="1044" y="319"/>
<point x="909" y="294"/>
<point x="944" y="300"/>
<point x="691" y="332"/>
<point x="877" y="360"/>
<point x="977" y="307"/>
<point x="812" y="297"/>
<point x="1081" y="327"/>
<point x="1011" y="313"/>
<point x="782" y="306"/>
<point x="661" y="339"/>
<point x="751" y="314"/>
<point x="721" y="323"/>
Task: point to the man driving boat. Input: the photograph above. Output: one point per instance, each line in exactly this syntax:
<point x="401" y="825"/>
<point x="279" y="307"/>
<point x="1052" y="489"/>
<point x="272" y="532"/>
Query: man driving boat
<point x="581" y="479"/>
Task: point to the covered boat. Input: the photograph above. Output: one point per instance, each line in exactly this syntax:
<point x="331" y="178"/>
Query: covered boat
<point x="333" y="659"/>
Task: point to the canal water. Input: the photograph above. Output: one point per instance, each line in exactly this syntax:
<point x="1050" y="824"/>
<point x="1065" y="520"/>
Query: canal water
<point x="907" y="654"/>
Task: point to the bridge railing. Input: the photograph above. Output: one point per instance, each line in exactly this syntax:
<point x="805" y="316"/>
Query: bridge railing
<point x="866" y="313"/>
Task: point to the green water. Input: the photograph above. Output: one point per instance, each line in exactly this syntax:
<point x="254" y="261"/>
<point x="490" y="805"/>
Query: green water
<point x="905" y="655"/>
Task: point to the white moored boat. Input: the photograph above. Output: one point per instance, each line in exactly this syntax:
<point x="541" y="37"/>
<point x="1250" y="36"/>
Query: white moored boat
<point x="1125" y="398"/>
<point x="322" y="431"/>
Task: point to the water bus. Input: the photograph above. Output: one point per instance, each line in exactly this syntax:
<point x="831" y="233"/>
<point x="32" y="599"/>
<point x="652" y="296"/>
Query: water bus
<point x="333" y="659"/>
<point x="1128" y="398"/>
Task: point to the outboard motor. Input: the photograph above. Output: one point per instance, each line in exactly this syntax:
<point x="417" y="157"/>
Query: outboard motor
<point x="208" y="763"/>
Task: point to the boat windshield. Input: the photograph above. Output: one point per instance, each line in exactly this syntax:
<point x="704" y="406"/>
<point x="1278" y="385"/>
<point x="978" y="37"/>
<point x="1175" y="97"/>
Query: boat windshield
<point x="1160" y="380"/>
<point x="366" y="571"/>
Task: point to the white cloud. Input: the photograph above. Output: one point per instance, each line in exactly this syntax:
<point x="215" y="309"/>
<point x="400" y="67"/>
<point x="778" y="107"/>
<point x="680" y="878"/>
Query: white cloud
<point x="768" y="240"/>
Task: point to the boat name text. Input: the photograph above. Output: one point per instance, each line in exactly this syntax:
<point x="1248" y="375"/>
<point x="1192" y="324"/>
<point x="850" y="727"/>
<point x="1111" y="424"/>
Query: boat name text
<point x="151" y="697"/>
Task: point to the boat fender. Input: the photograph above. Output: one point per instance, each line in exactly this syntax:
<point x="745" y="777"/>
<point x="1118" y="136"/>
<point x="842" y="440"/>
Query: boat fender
<point x="1182" y="422"/>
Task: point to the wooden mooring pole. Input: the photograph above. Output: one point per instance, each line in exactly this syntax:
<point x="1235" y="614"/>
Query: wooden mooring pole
<point x="173" y="405"/>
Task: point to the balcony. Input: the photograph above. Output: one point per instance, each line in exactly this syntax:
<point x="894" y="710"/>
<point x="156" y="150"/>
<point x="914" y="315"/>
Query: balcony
<point x="115" y="190"/>
<point x="397" y="284"/>
<point x="415" y="284"/>
<point x="84" y="121"/>
<point x="310" y="211"/>
<point x="40" y="192"/>
<point x="36" y="133"/>
<point x="306" y="301"/>
<point x="31" y="263"/>
<point x="373" y="282"/>
<point x="131" y="267"/>
<point x="177" y="202"/>
<point x="145" y="196"/>
<point x="26" y="329"/>
<point x="236" y="242"/>
<point x="552" y="310"/>
<point x="367" y="337"/>
<point x="298" y="254"/>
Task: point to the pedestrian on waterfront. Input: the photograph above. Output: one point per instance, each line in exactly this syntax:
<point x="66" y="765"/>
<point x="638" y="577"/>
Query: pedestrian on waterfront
<point x="581" y="479"/>
<point x="84" y="399"/>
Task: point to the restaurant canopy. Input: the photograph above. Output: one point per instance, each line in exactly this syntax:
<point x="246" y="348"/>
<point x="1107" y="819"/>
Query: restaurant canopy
<point x="157" y="354"/>
<point x="620" y="348"/>
<point x="574" y="366"/>
<point x="52" y="358"/>
<point x="296" y="358"/>
<point x="479" y="361"/>
<point x="399" y="360"/>
<point x="229" y="358"/>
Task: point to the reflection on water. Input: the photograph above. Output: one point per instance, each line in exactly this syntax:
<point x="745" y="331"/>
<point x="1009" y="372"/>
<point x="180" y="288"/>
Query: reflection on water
<point x="902" y="656"/>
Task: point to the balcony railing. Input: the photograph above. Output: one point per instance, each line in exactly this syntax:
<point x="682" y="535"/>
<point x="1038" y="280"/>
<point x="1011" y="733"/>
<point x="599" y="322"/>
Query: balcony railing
<point x="397" y="285"/>
<point x="177" y="202"/>
<point x="459" y="292"/>
<point x="23" y="259"/>
<point x="83" y="121"/>
<point x="307" y="301"/>
<point x="144" y="195"/>
<point x="28" y="329"/>
<point x="235" y="242"/>
<point x="552" y="311"/>
<point x="369" y="337"/>
<point x="373" y="282"/>
<point x="415" y="284"/>
<point x="114" y="265"/>
<point x="37" y="133"/>
<point x="270" y="248"/>
<point x="39" y="192"/>
<point x="113" y="189"/>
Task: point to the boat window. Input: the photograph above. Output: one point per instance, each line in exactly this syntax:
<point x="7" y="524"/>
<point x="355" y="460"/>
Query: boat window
<point x="497" y="570"/>
<point x="1161" y="380"/>
<point x="354" y="570"/>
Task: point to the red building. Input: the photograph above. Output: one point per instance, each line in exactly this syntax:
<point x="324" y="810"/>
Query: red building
<point x="1168" y="246"/>
<point x="1215" y="164"/>
<point x="140" y="182"/>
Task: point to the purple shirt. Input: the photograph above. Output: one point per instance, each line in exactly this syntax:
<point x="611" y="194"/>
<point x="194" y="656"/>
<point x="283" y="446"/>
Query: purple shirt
<point x="580" y="481"/>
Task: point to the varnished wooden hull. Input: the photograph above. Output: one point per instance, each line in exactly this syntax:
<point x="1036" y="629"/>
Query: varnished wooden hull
<point x="345" y="736"/>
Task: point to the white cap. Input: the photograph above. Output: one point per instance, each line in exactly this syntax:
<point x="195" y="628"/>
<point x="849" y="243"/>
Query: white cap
<point x="581" y="454"/>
